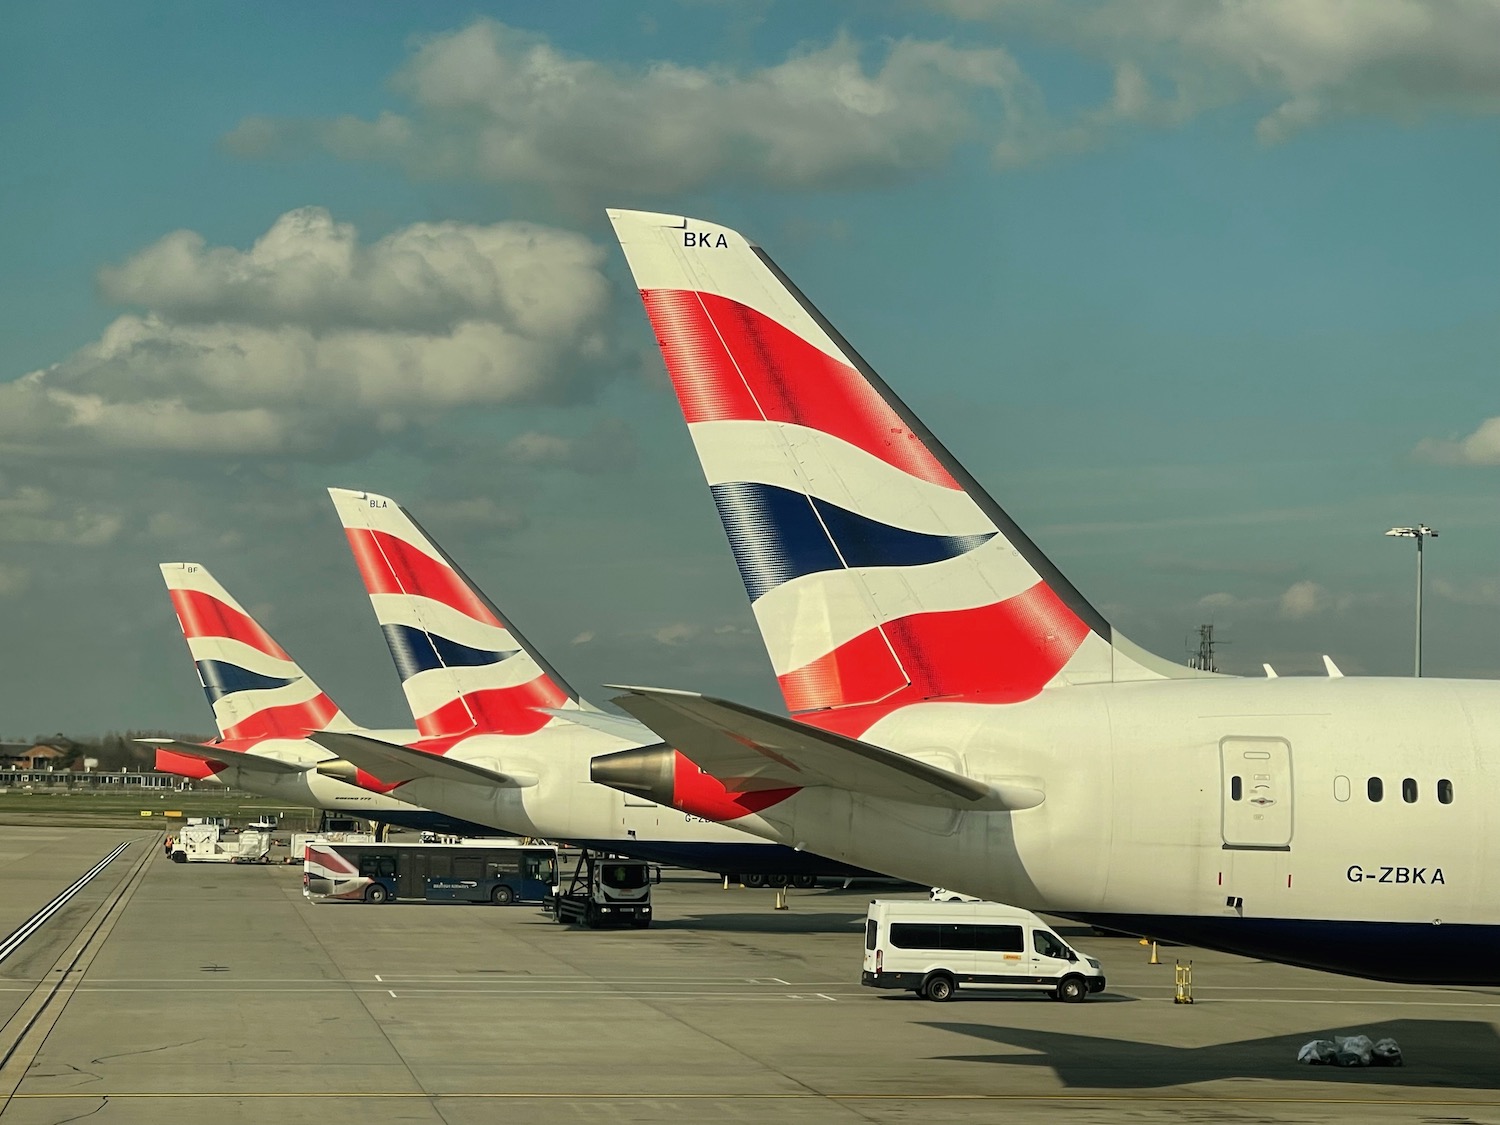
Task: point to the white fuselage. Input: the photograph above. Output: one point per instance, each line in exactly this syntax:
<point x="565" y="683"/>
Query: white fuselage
<point x="309" y="787"/>
<point x="1140" y="821"/>
<point x="561" y="801"/>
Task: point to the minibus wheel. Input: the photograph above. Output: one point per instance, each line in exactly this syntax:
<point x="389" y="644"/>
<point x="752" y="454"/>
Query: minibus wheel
<point x="1072" y="990"/>
<point x="938" y="987"/>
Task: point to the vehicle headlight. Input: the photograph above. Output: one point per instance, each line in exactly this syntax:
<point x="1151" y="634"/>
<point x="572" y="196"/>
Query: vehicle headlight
<point x="1093" y="963"/>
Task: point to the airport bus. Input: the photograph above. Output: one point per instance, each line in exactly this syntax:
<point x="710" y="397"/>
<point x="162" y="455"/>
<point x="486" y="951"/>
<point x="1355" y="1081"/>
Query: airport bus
<point x="492" y="871"/>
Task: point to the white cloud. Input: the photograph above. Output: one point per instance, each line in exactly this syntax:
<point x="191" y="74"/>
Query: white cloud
<point x="608" y="447"/>
<point x="498" y="104"/>
<point x="13" y="579"/>
<point x="30" y="514"/>
<point x="474" y="512"/>
<point x="1303" y="599"/>
<point x="1481" y="448"/>
<point x="1485" y="592"/>
<point x="676" y="633"/>
<point x="1310" y="61"/>
<point x="310" y="337"/>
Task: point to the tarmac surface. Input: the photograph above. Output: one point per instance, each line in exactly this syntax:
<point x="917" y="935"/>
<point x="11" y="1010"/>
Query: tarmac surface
<point x="171" y="993"/>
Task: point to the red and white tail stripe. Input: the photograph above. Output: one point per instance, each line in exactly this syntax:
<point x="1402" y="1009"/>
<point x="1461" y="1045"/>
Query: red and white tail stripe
<point x="464" y="671"/>
<point x="880" y="573"/>
<point x="256" y="689"/>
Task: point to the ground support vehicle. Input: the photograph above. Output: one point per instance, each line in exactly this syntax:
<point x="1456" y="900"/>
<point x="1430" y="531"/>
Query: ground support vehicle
<point x="297" y="848"/>
<point x="936" y="948"/>
<point x="207" y="843"/>
<point x="606" y="890"/>
<point x="494" y="871"/>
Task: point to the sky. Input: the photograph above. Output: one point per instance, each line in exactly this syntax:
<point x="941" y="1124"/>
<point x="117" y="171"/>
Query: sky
<point x="1206" y="293"/>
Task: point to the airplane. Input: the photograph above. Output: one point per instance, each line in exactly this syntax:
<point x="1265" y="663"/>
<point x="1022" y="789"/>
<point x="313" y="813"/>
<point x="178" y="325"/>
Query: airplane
<point x="264" y="704"/>
<point x="503" y="739"/>
<point x="964" y="717"/>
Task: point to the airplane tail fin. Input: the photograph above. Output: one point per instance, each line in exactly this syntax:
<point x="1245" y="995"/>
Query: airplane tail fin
<point x="255" y="689"/>
<point x="879" y="570"/>
<point x="463" y="669"/>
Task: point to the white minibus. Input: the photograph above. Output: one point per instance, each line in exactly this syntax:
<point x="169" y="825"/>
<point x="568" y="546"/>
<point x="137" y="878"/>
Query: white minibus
<point x="936" y="948"/>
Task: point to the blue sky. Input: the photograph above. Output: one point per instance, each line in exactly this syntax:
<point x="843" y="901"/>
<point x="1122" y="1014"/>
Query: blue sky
<point x="1205" y="294"/>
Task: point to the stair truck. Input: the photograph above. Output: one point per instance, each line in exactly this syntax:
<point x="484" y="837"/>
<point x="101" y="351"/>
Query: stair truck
<point x="606" y="890"/>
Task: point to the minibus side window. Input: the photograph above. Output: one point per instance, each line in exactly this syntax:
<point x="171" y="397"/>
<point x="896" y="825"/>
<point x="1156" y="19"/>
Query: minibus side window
<point x="914" y="935"/>
<point x="999" y="939"/>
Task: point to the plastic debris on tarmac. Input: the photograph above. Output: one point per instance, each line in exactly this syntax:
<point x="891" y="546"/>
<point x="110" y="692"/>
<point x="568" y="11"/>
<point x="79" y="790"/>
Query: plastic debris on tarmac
<point x="1351" y="1050"/>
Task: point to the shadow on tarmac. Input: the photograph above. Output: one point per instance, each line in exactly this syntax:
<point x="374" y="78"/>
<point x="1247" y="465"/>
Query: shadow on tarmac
<point x="766" y="922"/>
<point x="1458" y="1054"/>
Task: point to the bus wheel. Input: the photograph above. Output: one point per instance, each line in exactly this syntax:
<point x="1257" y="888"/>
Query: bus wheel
<point x="1072" y="990"/>
<point x="777" y="880"/>
<point x="640" y="922"/>
<point x="502" y="896"/>
<point x="938" y="987"/>
<point x="754" y="880"/>
<point x="376" y="893"/>
<point x="805" y="882"/>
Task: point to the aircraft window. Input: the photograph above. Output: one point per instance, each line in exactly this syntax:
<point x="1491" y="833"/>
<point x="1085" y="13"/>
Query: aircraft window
<point x="1445" y="792"/>
<point x="1341" y="788"/>
<point x="1409" y="790"/>
<point x="1375" y="788"/>
<point x="1236" y="789"/>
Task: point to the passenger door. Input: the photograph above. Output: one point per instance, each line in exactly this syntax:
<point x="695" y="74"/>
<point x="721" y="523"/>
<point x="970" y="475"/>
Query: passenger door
<point x="1256" y="793"/>
<point x="1049" y="957"/>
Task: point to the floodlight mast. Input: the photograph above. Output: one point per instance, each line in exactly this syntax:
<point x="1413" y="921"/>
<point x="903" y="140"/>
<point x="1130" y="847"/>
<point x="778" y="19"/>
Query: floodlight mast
<point x="1420" y="532"/>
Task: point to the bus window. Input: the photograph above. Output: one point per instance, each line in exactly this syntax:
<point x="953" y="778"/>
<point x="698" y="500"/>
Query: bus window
<point x="376" y="866"/>
<point x="468" y="867"/>
<point x="544" y="870"/>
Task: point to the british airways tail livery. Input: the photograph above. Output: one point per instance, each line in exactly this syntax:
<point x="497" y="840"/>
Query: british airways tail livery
<point x="505" y="740"/>
<point x="964" y="717"/>
<point x="265" y="705"/>
<point x="255" y="689"/>
<point x="462" y="668"/>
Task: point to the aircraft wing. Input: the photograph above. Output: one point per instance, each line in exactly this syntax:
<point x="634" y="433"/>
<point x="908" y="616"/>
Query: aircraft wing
<point x="230" y="759"/>
<point x="394" y="764"/>
<point x="749" y="750"/>
<point x="621" y="726"/>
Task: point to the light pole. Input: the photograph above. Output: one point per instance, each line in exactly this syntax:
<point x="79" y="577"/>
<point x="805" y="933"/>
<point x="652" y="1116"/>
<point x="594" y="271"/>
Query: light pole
<point x="1419" y="533"/>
